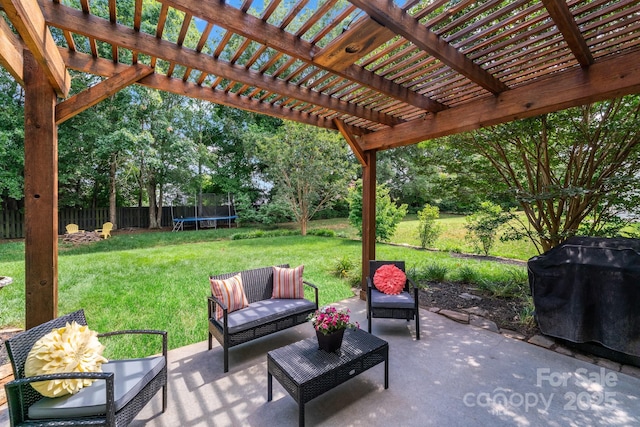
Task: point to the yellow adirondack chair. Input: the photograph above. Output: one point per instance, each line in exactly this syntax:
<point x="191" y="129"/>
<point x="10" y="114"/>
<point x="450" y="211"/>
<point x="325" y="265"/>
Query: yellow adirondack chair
<point x="105" y="231"/>
<point x="73" y="228"/>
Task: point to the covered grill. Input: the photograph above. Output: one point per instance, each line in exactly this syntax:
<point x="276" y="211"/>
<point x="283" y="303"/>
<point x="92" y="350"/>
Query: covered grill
<point x="587" y="290"/>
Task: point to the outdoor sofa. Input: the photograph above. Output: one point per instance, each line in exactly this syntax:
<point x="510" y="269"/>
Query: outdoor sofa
<point x="264" y="315"/>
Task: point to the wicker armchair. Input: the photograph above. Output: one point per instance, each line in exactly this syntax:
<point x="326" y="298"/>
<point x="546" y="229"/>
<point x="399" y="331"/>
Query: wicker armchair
<point x="402" y="306"/>
<point x="110" y="401"/>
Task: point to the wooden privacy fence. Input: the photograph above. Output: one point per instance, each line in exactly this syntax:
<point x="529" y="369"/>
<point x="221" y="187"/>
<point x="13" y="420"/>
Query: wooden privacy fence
<point x="12" y="222"/>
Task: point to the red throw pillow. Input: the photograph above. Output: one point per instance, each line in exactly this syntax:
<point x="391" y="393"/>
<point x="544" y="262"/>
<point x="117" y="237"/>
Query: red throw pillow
<point x="389" y="279"/>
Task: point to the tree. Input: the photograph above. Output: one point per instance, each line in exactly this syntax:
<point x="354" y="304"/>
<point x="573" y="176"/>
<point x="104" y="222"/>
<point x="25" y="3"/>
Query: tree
<point x="388" y="213"/>
<point x="567" y="169"/>
<point x="11" y="141"/>
<point x="410" y="180"/>
<point x="460" y="178"/>
<point x="309" y="168"/>
<point x="428" y="229"/>
<point x="167" y="154"/>
<point x="483" y="225"/>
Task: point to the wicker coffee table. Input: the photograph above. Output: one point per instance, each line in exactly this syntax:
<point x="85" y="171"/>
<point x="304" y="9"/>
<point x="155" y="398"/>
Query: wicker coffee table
<point x="307" y="372"/>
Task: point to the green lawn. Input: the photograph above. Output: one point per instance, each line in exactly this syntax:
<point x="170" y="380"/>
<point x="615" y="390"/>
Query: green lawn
<point x="159" y="280"/>
<point x="451" y="239"/>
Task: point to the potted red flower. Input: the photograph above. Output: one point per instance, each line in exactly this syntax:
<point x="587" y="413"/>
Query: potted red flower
<point x="330" y="323"/>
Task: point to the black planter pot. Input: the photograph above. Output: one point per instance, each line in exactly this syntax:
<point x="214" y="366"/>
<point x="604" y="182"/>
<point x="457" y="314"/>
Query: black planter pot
<point x="330" y="342"/>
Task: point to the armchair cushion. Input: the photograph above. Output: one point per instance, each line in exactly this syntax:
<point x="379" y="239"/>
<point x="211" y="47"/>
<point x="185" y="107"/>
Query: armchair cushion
<point x="230" y="292"/>
<point x="403" y="300"/>
<point x="130" y="377"/>
<point x="389" y="279"/>
<point x="287" y="282"/>
<point x="72" y="348"/>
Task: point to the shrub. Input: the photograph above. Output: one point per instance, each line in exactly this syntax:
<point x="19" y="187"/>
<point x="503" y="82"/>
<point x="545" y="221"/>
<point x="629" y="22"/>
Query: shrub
<point x="514" y="284"/>
<point x="526" y="316"/>
<point x="437" y="272"/>
<point x="428" y="229"/>
<point x="432" y="272"/>
<point x="342" y="267"/>
<point x="467" y="274"/>
<point x="274" y="212"/>
<point x="244" y="209"/>
<point x="388" y="214"/>
<point x="262" y="233"/>
<point x="355" y="278"/>
<point x="321" y="232"/>
<point x="483" y="225"/>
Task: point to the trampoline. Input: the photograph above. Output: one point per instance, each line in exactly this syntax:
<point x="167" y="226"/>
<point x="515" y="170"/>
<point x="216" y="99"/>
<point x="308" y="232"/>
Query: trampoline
<point x="209" y="221"/>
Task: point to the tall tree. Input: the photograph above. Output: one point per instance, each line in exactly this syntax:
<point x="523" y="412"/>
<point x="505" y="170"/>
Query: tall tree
<point x="567" y="169"/>
<point x="11" y="142"/>
<point x="309" y="168"/>
<point x="167" y="154"/>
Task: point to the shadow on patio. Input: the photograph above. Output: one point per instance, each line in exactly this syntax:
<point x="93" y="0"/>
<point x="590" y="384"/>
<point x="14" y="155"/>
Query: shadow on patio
<point x="457" y="375"/>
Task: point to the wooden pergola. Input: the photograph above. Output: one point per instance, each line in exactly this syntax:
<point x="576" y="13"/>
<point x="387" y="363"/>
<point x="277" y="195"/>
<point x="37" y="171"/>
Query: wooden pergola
<point x="384" y="73"/>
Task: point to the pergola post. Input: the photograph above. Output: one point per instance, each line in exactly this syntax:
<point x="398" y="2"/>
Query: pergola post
<point x="368" y="216"/>
<point x="40" y="194"/>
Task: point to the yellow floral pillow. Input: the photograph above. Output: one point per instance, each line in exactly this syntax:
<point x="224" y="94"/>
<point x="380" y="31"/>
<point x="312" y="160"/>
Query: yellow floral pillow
<point x="73" y="348"/>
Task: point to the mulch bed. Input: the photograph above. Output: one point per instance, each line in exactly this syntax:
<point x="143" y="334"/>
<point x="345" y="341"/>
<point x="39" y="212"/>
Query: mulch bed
<point x="504" y="312"/>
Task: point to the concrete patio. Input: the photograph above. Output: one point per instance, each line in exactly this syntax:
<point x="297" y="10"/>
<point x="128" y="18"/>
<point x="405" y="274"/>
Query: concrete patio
<point x="456" y="375"/>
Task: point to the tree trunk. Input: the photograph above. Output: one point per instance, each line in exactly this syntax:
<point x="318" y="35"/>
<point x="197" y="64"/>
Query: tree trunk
<point x="140" y="190"/>
<point x="159" y="208"/>
<point x="153" y="207"/>
<point x="112" y="191"/>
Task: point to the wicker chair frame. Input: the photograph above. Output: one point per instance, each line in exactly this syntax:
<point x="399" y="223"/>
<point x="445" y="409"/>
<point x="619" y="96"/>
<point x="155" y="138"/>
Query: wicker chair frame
<point x="390" y="312"/>
<point x="20" y="394"/>
<point x="258" y="286"/>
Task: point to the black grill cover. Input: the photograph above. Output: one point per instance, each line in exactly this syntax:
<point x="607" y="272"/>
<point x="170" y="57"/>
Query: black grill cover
<point x="588" y="290"/>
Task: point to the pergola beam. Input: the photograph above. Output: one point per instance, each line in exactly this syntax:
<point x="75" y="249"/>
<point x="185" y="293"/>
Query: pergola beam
<point x="356" y="42"/>
<point x="70" y="19"/>
<point x="106" y="68"/>
<point x="256" y="29"/>
<point x="11" y="49"/>
<point x="400" y="22"/>
<point x="603" y="80"/>
<point x="562" y="17"/>
<point x="93" y="95"/>
<point x="26" y="17"/>
<point x="351" y="140"/>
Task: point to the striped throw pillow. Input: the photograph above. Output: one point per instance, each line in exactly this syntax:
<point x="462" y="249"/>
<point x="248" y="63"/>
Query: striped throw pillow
<point x="287" y="282"/>
<point x="230" y="292"/>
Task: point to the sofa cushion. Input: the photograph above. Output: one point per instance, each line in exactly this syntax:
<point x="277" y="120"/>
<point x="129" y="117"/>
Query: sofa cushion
<point x="130" y="376"/>
<point x="230" y="292"/>
<point x="261" y="312"/>
<point x="382" y="300"/>
<point x="287" y="282"/>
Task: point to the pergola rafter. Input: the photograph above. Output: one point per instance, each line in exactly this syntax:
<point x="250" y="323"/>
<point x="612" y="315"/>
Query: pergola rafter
<point x="384" y="73"/>
<point x="562" y="17"/>
<point x="394" y="18"/>
<point x="101" y="29"/>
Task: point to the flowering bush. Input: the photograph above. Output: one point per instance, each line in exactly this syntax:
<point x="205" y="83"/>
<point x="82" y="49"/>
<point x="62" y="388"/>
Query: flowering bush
<point x="329" y="319"/>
